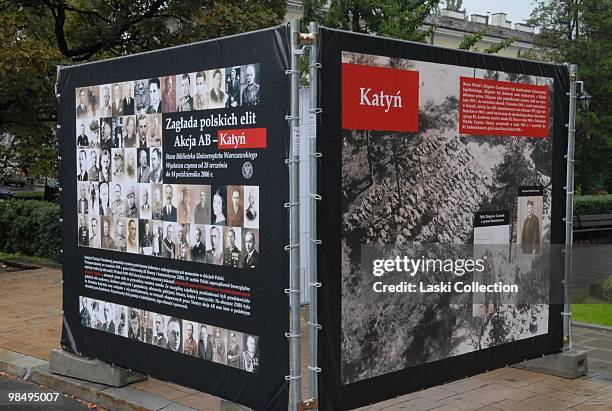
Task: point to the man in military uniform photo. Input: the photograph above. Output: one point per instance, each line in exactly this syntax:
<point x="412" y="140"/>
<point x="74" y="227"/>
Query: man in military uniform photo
<point x="205" y="344"/>
<point x="118" y="205"/>
<point x="82" y="139"/>
<point x="131" y="208"/>
<point x="184" y="208"/>
<point x="120" y="238"/>
<point x="85" y="315"/>
<point x="231" y="254"/>
<point x="250" y="94"/>
<point x="190" y="346"/>
<point x="185" y="103"/>
<point x="107" y="239"/>
<point x="201" y="214"/>
<point x="118" y="169"/>
<point x="182" y="249"/>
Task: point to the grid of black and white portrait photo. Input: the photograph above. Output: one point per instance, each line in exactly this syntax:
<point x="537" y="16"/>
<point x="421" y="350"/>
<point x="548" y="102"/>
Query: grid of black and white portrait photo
<point x="204" y="341"/>
<point x="123" y="203"/>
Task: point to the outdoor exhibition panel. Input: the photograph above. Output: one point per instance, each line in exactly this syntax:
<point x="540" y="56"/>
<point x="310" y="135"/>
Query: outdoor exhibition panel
<point x="441" y="176"/>
<point x="174" y="225"/>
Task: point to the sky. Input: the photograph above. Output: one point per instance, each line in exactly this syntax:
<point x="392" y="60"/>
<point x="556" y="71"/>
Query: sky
<point x="517" y="10"/>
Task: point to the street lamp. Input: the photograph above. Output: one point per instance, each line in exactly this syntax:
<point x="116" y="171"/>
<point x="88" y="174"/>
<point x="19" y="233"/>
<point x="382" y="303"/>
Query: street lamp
<point x="585" y="102"/>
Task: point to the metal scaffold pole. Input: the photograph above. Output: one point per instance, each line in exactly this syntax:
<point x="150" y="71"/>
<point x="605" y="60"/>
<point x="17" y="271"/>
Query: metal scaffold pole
<point x="569" y="209"/>
<point x="313" y="111"/>
<point x="295" y="376"/>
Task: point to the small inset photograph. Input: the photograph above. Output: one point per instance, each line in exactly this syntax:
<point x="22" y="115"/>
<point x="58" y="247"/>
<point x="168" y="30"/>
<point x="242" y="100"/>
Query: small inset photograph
<point x="146" y="321"/>
<point x="82" y="165"/>
<point x="235" y="206"/>
<point x="529" y="218"/>
<point x="250" y="249"/>
<point x="95" y="237"/>
<point x="83" y="197"/>
<point x="135" y="324"/>
<point x="216" y="85"/>
<point x="232" y="87"/>
<point x="141" y="96"/>
<point x="219" y="340"/>
<point x="157" y="200"/>
<point x="108" y="224"/>
<point x="130" y="164"/>
<point x="169" y="211"/>
<point x="144" y="166"/>
<point x="85" y="135"/>
<point x="108" y="317"/>
<point x="83" y="231"/>
<point x="250" y="93"/>
<point x="190" y="339"/>
<point x="201" y="97"/>
<point x="183" y="250"/>
<point x="169" y="242"/>
<point x="219" y="205"/>
<point x="93" y="198"/>
<point x="96" y="314"/>
<point x="106" y="134"/>
<point x="117" y="105"/>
<point x="145" y="208"/>
<point x="127" y="99"/>
<point x="184" y="93"/>
<point x="86" y="101"/>
<point x="198" y="243"/>
<point x="201" y="204"/>
<point x="205" y="342"/>
<point x="174" y="332"/>
<point x="214" y="245"/>
<point x="232" y="253"/>
<point x="157" y="171"/>
<point x="184" y="210"/>
<point x="160" y="338"/>
<point x="104" y="206"/>
<point x="130" y="139"/>
<point x="105" y="109"/>
<point x="154" y="131"/>
<point x="250" y="356"/>
<point x="118" y="165"/>
<point x="251" y="206"/>
<point x="141" y="130"/>
<point x="121" y="320"/>
<point x="145" y="237"/>
<point x="118" y="131"/>
<point x="105" y="175"/>
<point x="132" y="235"/>
<point x="158" y="237"/>
<point x="118" y="200"/>
<point x="120" y="237"/>
<point x="235" y="342"/>
<point x="155" y="101"/>
<point x="93" y="173"/>
<point x="85" y="311"/>
<point x="168" y="94"/>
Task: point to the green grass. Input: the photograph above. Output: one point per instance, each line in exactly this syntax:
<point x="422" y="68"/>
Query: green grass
<point x="588" y="309"/>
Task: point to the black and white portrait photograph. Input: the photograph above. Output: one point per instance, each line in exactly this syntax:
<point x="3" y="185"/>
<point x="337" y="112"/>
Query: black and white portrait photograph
<point x="219" y="205"/>
<point x="250" y="93"/>
<point x="157" y="201"/>
<point x="117" y="99"/>
<point x="129" y="131"/>
<point x="183" y="250"/>
<point x="105" y="108"/>
<point x="127" y="98"/>
<point x="216" y="84"/>
<point x="155" y="102"/>
<point x="135" y="326"/>
<point x="201" y="204"/>
<point x="168" y="94"/>
<point x="144" y="166"/>
<point x="184" y="208"/>
<point x="529" y="219"/>
<point x="201" y="96"/>
<point x="131" y="164"/>
<point x="168" y="246"/>
<point x="144" y="205"/>
<point x="160" y="339"/>
<point x="232" y="253"/>
<point x="141" y="96"/>
<point x="120" y="235"/>
<point x="157" y="171"/>
<point x="169" y="211"/>
<point x="117" y="165"/>
<point x="108" y="317"/>
<point x="190" y="338"/>
<point x="86" y="101"/>
<point x="251" y="206"/>
<point x="121" y="320"/>
<point x="106" y="134"/>
<point x="198" y="243"/>
<point x="132" y="235"/>
<point x="250" y="249"/>
<point x="219" y="340"/>
<point x="107" y="232"/>
<point x="235" y="206"/>
<point x="205" y="342"/>
<point x="104" y="199"/>
<point x="232" y="87"/>
<point x="83" y="230"/>
<point x="82" y="165"/>
<point x="154" y="131"/>
<point x="95" y="236"/>
<point x="250" y="356"/>
<point x="184" y="92"/>
<point x="175" y="335"/>
<point x="145" y="237"/>
<point x="83" y="198"/>
<point x="84" y="311"/>
<point x="214" y="244"/>
<point x="94" y="168"/>
<point x="235" y="343"/>
<point x="94" y="198"/>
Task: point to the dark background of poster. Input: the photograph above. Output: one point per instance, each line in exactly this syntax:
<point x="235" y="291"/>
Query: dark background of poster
<point x="269" y="305"/>
<point x="332" y="394"/>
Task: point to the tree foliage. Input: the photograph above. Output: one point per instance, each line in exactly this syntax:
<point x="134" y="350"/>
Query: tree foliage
<point x="38" y="35"/>
<point x="580" y="31"/>
<point x="388" y="18"/>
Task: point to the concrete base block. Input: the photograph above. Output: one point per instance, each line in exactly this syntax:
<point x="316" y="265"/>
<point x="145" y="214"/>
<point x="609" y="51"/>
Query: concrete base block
<point x="88" y="369"/>
<point x="232" y="406"/>
<point x="567" y="364"/>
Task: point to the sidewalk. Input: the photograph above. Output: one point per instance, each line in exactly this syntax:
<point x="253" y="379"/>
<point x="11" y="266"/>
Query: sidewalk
<point x="30" y="326"/>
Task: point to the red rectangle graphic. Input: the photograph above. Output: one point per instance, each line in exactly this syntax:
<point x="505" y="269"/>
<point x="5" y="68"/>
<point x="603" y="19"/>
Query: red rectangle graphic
<point x="242" y="138"/>
<point x="503" y="108"/>
<point x="379" y="98"/>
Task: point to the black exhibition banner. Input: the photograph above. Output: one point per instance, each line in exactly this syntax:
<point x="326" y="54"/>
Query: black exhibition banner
<point x="174" y="183"/>
<point x="430" y="155"/>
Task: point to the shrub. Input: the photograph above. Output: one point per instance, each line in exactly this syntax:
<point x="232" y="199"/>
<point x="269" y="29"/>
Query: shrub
<point x="606" y="290"/>
<point x="587" y="205"/>
<point x="30" y="227"/>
